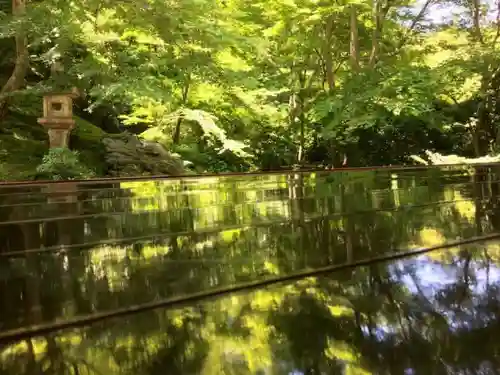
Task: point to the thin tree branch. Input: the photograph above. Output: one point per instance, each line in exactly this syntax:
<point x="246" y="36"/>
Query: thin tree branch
<point x="321" y="62"/>
<point x="414" y="24"/>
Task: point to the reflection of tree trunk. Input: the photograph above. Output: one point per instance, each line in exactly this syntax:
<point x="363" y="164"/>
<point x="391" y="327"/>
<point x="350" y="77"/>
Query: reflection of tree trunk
<point x="66" y="271"/>
<point x="348" y="225"/>
<point x="295" y="195"/>
<point x="189" y="219"/>
<point x="386" y="290"/>
<point x="300" y="204"/>
<point x="478" y="183"/>
<point x="31" y="349"/>
<point x="32" y="366"/>
<point x="69" y="232"/>
<point x="466" y="274"/>
<point x="494" y="211"/>
<point x="371" y="326"/>
<point x="478" y="199"/>
<point x="428" y="304"/>
<point x="33" y="305"/>
<point x="54" y="355"/>
<point x="32" y="240"/>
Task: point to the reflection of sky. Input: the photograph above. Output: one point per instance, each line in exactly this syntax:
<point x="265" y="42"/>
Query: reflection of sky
<point x="433" y="276"/>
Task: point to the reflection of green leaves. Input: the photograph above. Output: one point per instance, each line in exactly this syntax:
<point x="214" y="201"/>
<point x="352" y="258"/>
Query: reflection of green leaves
<point x="323" y="323"/>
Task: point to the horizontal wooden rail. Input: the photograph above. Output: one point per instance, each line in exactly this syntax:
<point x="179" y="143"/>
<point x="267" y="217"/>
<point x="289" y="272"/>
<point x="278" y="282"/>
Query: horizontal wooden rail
<point x="105" y="180"/>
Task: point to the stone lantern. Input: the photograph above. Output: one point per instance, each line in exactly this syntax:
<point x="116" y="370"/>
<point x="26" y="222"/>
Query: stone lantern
<point x="58" y="117"/>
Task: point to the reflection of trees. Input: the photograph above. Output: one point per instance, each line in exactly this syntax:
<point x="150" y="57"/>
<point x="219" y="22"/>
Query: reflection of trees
<point x="379" y="319"/>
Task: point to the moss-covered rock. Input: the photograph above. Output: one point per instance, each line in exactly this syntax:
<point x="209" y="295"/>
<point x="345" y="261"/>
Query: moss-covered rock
<point x="85" y="131"/>
<point x="86" y="138"/>
<point x="121" y="154"/>
<point x="126" y="155"/>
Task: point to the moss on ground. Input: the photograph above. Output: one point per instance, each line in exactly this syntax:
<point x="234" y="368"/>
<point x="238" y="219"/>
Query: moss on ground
<point x="86" y="138"/>
<point x="23" y="143"/>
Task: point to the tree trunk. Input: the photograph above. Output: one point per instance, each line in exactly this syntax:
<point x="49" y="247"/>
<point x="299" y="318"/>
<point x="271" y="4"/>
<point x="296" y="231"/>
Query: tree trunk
<point x="375" y="34"/>
<point x="177" y="131"/>
<point x="354" y="48"/>
<point x="16" y="80"/>
<point x="483" y="127"/>
<point x="327" y="55"/>
<point x="476" y="15"/>
<point x="379" y="15"/>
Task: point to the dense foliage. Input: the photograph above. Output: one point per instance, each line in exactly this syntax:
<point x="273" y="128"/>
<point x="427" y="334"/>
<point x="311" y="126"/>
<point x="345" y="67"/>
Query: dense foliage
<point x="239" y="85"/>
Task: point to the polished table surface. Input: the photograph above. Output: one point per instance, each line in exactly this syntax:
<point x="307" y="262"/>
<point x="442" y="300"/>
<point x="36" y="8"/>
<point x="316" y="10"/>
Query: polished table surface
<point x="72" y="252"/>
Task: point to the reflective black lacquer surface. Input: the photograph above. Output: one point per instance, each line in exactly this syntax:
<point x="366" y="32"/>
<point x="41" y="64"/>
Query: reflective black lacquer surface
<point x="72" y="250"/>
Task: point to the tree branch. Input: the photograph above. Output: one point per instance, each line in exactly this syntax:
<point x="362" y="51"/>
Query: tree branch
<point x="414" y="24"/>
<point x="321" y="62"/>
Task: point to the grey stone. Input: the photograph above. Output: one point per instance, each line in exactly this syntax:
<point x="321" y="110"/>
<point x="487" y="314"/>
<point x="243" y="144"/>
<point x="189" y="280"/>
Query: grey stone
<point x="127" y="155"/>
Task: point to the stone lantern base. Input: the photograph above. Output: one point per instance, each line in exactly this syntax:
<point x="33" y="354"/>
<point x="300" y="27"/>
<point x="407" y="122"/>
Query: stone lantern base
<point x="58" y="129"/>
